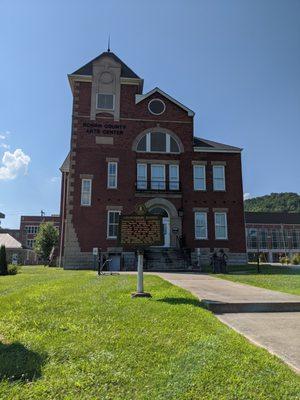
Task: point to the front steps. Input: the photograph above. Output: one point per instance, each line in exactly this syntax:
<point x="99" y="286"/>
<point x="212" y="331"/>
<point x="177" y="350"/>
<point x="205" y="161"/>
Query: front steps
<point x="166" y="259"/>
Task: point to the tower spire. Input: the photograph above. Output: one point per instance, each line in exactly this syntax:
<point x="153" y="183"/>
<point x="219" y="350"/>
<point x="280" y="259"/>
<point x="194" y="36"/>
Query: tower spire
<point x="108" y="45"/>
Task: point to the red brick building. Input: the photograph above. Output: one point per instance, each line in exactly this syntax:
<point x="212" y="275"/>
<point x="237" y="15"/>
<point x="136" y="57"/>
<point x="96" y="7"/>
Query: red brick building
<point x="130" y="148"/>
<point x="29" y="227"/>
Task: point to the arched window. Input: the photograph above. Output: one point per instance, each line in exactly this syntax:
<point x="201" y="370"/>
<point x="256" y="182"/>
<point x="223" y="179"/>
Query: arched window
<point x="158" y="142"/>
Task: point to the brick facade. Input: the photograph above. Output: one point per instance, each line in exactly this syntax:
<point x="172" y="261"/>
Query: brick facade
<point x="94" y="142"/>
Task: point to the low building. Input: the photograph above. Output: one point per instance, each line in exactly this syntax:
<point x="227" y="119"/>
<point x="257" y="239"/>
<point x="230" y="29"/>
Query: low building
<point x="272" y="234"/>
<point x="15" y="233"/>
<point x="15" y="253"/>
<point x="29" y="227"/>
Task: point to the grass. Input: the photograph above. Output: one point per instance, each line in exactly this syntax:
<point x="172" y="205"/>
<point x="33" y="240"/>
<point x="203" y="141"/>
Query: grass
<point x="271" y="277"/>
<point x="71" y="335"/>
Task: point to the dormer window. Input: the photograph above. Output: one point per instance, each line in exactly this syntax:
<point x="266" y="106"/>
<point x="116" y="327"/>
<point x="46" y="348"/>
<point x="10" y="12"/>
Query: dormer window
<point x="158" y="142"/>
<point x="105" y="101"/>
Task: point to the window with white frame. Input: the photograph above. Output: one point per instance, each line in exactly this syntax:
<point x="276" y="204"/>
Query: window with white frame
<point x="199" y="177"/>
<point x="31" y="229"/>
<point x="200" y="225"/>
<point x="219" y="177"/>
<point x="105" y="101"/>
<point x="112" y="175"/>
<point x="174" y="177"/>
<point x="158" y="142"/>
<point x="30" y="243"/>
<point x="86" y="192"/>
<point x="158" y="177"/>
<point x="141" y="174"/>
<point x="221" y="225"/>
<point x="113" y="224"/>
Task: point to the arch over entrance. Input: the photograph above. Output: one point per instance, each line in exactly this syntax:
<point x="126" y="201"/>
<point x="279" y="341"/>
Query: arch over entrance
<point x="171" y="221"/>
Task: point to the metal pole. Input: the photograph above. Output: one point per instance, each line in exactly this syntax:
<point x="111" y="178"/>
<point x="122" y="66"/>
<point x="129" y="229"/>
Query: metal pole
<point x="140" y="280"/>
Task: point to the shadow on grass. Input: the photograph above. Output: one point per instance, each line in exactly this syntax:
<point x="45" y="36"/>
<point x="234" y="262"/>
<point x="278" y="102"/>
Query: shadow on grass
<point x="181" y="300"/>
<point x="19" y="363"/>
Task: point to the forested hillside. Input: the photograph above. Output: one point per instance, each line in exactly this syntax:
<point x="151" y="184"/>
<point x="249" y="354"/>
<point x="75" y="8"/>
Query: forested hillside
<point x="288" y="202"/>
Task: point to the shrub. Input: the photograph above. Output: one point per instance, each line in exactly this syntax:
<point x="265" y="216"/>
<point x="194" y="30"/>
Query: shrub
<point x="285" y="260"/>
<point x="296" y="259"/>
<point x="3" y="261"/>
<point x="13" y="269"/>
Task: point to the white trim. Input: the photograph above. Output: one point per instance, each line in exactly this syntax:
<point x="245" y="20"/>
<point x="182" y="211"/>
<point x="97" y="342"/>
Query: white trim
<point x="195" y="225"/>
<point x="215" y="150"/>
<point x="107" y="223"/>
<point x="224" y="178"/>
<point x="89" y="194"/>
<point x="176" y="182"/>
<point x="112" y="176"/>
<point x="164" y="176"/>
<point x="204" y="177"/>
<point x="148" y="144"/>
<point x="106" y="94"/>
<point x="145" y="182"/>
<point x="226" y="226"/>
<point x="154" y="112"/>
<point x="141" y="97"/>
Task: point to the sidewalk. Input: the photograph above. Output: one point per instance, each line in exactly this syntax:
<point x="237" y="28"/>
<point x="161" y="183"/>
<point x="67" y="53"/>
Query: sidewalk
<point x="278" y="332"/>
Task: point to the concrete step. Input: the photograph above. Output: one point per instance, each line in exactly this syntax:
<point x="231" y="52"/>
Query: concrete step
<point x="250" y="307"/>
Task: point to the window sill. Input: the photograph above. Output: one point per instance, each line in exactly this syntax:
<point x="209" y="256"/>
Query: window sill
<point x="85" y="205"/>
<point x="111" y="238"/>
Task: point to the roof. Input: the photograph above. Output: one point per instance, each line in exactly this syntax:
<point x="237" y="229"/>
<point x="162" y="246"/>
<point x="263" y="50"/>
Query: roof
<point x="87" y="69"/>
<point x="272" y="218"/>
<point x="141" y="97"/>
<point x="209" y="145"/>
<point x="9" y="242"/>
<point x="66" y="164"/>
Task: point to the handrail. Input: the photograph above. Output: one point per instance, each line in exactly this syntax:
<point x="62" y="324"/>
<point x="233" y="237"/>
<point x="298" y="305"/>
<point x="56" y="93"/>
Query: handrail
<point x="159" y="185"/>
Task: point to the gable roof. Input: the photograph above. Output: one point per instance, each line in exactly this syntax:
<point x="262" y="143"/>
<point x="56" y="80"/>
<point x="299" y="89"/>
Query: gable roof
<point x="141" y="97"/>
<point x="272" y="218"/>
<point x="66" y="164"/>
<point x="87" y="69"/>
<point x="201" y="144"/>
<point x="9" y="242"/>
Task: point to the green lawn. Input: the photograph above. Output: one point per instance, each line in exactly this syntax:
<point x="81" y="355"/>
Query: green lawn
<point x="71" y="335"/>
<point x="275" y="278"/>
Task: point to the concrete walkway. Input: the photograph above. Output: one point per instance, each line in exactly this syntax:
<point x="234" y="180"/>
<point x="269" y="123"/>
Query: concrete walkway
<point x="278" y="332"/>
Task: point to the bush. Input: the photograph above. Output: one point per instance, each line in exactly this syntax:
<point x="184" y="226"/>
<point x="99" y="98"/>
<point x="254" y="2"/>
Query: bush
<point x="13" y="269"/>
<point x="3" y="261"/>
<point x="296" y="259"/>
<point x="285" y="260"/>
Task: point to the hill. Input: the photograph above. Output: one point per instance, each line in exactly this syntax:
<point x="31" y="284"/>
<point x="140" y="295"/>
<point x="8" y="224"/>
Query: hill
<point x="284" y="202"/>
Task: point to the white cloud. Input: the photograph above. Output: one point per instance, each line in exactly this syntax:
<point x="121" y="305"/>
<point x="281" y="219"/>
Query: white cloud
<point x="3" y="135"/>
<point x="13" y="164"/>
<point x="55" y="179"/>
<point x="5" y="146"/>
<point x="247" y="196"/>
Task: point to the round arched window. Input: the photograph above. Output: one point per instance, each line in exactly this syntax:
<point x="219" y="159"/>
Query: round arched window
<point x="156" y="106"/>
<point x="158" y="142"/>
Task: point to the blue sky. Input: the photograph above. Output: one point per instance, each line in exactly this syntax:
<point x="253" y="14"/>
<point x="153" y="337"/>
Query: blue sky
<point x="235" y="63"/>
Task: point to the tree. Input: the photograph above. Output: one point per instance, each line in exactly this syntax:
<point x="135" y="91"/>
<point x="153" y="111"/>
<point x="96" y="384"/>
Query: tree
<point x="45" y="240"/>
<point x="3" y="261"/>
<point x="274" y="202"/>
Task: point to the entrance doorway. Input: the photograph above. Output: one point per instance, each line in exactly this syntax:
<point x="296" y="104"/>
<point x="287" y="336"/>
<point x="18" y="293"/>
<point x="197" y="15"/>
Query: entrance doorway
<point x="166" y="223"/>
<point x="115" y="263"/>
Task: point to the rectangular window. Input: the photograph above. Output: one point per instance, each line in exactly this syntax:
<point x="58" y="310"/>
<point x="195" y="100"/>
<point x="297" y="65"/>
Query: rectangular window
<point x="30" y="243"/>
<point x="105" y="101"/>
<point x="157" y="177"/>
<point x="113" y="224"/>
<point x="31" y="229"/>
<point x="219" y="177"/>
<point x="221" y="225"/>
<point x="199" y="177"/>
<point x="86" y="191"/>
<point x="174" y="177"/>
<point x="141" y="174"/>
<point x="112" y="175"/>
<point x="200" y="225"/>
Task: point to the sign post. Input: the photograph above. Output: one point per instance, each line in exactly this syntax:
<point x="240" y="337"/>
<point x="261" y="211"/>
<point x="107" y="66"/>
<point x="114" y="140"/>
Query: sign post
<point x="139" y="231"/>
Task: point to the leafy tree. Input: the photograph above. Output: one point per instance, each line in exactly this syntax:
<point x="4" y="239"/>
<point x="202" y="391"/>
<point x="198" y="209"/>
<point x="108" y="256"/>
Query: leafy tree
<point x="274" y="202"/>
<point x="3" y="261"/>
<point x="45" y="240"/>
